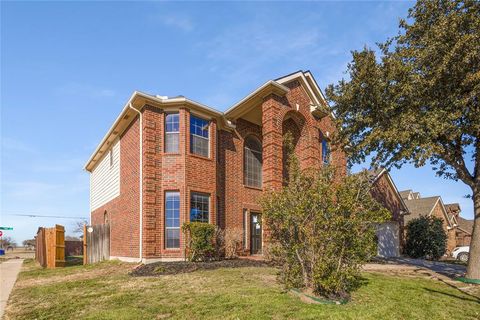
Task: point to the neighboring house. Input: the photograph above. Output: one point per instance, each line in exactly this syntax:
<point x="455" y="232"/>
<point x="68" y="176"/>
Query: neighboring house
<point x="389" y="234"/>
<point x="166" y="161"/>
<point x="430" y="206"/>
<point x="464" y="227"/>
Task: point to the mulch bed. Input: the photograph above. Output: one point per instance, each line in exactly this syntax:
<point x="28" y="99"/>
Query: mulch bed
<point x="165" y="268"/>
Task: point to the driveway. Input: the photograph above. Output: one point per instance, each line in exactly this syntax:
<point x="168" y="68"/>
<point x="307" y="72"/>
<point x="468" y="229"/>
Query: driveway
<point x="9" y="271"/>
<point x="447" y="269"/>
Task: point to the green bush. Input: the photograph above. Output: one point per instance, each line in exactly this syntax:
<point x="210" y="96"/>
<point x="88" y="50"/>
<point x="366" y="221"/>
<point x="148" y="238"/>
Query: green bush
<point x="426" y="238"/>
<point x="200" y="241"/>
<point x="322" y="230"/>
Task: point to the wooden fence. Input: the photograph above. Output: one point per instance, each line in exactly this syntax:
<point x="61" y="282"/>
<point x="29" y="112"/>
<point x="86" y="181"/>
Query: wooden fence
<point x="96" y="242"/>
<point x="50" y="247"/>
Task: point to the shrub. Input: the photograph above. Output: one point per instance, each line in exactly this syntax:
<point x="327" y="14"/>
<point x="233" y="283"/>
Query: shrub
<point x="322" y="229"/>
<point x="426" y="238"/>
<point x="232" y="243"/>
<point x="200" y="240"/>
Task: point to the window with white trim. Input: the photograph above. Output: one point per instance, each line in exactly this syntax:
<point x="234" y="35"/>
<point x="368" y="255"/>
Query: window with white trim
<point x="172" y="220"/>
<point x="199" y="137"/>
<point x="172" y="128"/>
<point x="199" y="207"/>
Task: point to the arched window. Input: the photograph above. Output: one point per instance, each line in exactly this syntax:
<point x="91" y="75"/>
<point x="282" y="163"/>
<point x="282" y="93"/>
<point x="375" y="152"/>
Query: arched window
<point x="252" y="168"/>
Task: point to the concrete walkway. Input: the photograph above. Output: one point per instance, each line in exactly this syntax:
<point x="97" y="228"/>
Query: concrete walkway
<point x="8" y="275"/>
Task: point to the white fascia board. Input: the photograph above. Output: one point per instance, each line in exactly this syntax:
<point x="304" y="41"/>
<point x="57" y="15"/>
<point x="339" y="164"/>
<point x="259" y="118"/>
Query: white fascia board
<point x="301" y="76"/>
<point x="112" y="128"/>
<point x="445" y="213"/>
<point x="308" y="74"/>
<point x="254" y="93"/>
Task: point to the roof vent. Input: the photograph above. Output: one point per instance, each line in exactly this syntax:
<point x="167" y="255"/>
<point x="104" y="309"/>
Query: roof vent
<point x="161" y="97"/>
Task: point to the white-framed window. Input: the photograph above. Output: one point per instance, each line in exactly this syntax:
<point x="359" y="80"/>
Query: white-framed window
<point x="199" y="136"/>
<point x="199" y="207"/>
<point x="172" y="220"/>
<point x="252" y="162"/>
<point x="172" y="128"/>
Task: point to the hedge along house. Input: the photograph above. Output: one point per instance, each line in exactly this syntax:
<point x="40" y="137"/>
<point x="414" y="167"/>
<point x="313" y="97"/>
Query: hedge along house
<point x="167" y="161"/>
<point x="430" y="207"/>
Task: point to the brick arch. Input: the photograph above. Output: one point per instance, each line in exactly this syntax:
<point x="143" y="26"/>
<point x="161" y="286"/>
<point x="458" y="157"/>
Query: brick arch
<point x="297" y="125"/>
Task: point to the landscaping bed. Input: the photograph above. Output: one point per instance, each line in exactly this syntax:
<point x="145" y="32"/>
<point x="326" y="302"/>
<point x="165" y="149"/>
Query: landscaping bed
<point x="177" y="267"/>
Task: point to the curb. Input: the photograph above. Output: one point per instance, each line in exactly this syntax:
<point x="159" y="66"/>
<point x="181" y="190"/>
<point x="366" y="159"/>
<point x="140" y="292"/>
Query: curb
<point x="466" y="280"/>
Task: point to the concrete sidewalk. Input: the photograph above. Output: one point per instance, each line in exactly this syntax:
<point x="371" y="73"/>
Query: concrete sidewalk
<point x="8" y="275"/>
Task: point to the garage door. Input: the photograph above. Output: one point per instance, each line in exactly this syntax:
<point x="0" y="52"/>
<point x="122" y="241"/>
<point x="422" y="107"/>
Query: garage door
<point x="388" y="239"/>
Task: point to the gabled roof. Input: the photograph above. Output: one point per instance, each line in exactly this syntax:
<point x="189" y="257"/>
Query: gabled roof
<point x="308" y="82"/>
<point x="375" y="174"/>
<point x="252" y="100"/>
<point x="405" y="193"/>
<point x="424" y="207"/>
<point x="409" y="194"/>
<point x="465" y="225"/>
<point x="278" y="87"/>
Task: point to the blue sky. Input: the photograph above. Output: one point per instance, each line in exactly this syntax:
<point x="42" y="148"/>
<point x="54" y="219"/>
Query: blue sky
<point x="68" y="68"/>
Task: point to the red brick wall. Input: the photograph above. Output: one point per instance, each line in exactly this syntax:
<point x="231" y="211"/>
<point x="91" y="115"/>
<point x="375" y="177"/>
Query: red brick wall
<point x="170" y="172"/>
<point x="220" y="175"/>
<point x="451" y="236"/>
<point x="234" y="195"/>
<point x="278" y="115"/>
<point x="123" y="211"/>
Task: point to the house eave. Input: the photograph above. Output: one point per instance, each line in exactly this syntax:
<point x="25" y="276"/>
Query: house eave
<point x="254" y="98"/>
<point x="138" y="100"/>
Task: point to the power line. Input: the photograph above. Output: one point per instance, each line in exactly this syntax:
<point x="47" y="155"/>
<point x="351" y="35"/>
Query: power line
<point x="31" y="215"/>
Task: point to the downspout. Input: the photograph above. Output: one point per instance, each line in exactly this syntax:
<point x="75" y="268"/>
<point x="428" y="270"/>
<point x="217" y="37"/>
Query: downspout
<point x="141" y="183"/>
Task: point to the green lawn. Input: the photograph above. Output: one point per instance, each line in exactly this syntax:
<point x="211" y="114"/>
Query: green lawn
<point x="106" y="291"/>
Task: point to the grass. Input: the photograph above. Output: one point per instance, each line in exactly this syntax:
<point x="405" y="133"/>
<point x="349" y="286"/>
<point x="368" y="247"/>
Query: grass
<point x="106" y="291"/>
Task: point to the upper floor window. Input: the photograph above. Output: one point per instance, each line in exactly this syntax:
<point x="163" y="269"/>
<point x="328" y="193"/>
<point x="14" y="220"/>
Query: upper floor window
<point x="172" y="126"/>
<point x="199" y="207"/>
<point x="252" y="162"/>
<point x="325" y="151"/>
<point x="199" y="141"/>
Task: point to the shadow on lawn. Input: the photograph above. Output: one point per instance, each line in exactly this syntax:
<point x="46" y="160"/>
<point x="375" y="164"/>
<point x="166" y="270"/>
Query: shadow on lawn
<point x="474" y="298"/>
<point x="73" y="261"/>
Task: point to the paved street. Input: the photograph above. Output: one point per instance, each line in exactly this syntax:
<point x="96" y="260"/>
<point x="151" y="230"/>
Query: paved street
<point x="8" y="275"/>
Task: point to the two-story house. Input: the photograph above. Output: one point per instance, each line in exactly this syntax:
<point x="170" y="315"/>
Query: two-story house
<point x="170" y="160"/>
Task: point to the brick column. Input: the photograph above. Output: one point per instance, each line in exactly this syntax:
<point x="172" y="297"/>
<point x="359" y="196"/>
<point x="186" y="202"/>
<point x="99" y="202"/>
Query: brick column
<point x="152" y="177"/>
<point x="272" y="143"/>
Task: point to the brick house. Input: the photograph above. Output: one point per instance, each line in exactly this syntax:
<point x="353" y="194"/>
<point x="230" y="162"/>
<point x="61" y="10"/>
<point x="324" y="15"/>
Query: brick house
<point x="391" y="233"/>
<point x="166" y="161"/>
<point x="430" y="206"/>
<point x="464" y="227"/>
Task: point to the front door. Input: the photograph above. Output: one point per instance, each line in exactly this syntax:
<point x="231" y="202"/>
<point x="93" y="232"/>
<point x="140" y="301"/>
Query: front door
<point x="255" y="233"/>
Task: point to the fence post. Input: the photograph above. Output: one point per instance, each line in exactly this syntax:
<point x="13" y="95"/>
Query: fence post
<point x="85" y="260"/>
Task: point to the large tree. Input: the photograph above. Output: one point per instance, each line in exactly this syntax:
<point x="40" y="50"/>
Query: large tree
<point x="418" y="101"/>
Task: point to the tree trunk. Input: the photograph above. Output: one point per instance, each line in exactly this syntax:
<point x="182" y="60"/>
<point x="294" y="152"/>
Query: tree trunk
<point x="473" y="268"/>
